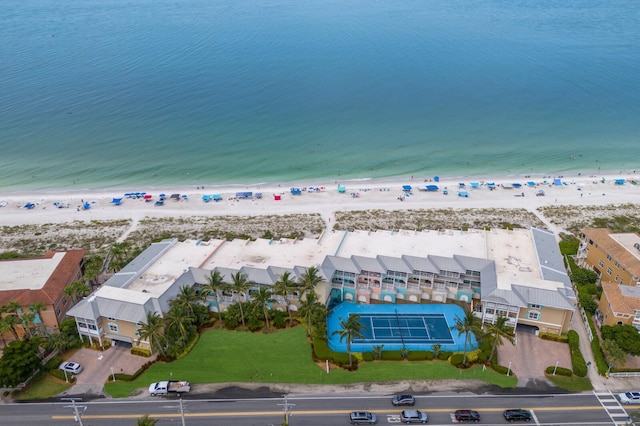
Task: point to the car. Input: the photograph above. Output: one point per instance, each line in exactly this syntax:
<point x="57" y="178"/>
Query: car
<point x="414" y="416"/>
<point x="632" y="397"/>
<point x="540" y="193"/>
<point x="71" y="367"/>
<point x="363" y="418"/>
<point x="404" y="399"/>
<point x="466" y="416"/>
<point x="517" y="414"/>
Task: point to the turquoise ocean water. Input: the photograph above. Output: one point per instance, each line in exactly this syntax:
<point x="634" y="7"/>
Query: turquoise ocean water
<point x="115" y="93"/>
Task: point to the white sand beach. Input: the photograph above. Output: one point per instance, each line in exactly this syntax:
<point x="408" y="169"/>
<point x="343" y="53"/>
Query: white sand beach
<point x="592" y="190"/>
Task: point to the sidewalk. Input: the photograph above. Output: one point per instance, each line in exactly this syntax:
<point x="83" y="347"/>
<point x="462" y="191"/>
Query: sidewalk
<point x="600" y="383"/>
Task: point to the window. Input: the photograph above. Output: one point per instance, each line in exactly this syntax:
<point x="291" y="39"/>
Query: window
<point x="616" y="278"/>
<point x="609" y="257"/>
<point x="113" y="327"/>
<point x="111" y="319"/>
<point x="137" y="333"/>
<point x="489" y="311"/>
<point x="533" y="315"/>
<point x="82" y="324"/>
<point x="64" y="301"/>
<point x="617" y="265"/>
<point x="601" y="263"/>
<point x="58" y="311"/>
<point x="535" y="306"/>
<point x="609" y="271"/>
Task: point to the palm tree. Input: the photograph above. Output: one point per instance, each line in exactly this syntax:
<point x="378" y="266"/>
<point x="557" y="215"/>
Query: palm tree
<point x="214" y="285"/>
<point x="4" y="328"/>
<point x="120" y="253"/>
<point x="27" y="320"/>
<point x="59" y="342"/>
<point x="283" y="288"/>
<point x="499" y="331"/>
<point x="350" y="330"/>
<point x="310" y="280"/>
<point x="176" y="319"/>
<point x="146" y="421"/>
<point x="262" y="299"/>
<point x="152" y="332"/>
<point x="309" y="307"/>
<point x="186" y="299"/>
<point x="76" y="289"/>
<point x="14" y="309"/>
<point x="467" y="325"/>
<point x="240" y="285"/>
<point x="37" y="308"/>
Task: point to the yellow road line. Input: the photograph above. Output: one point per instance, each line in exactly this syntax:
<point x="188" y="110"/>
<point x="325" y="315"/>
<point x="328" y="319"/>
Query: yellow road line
<point x="307" y="412"/>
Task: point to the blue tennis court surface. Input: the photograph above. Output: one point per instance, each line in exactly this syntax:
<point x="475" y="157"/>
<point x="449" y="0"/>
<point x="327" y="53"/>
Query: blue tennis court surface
<point x="415" y="327"/>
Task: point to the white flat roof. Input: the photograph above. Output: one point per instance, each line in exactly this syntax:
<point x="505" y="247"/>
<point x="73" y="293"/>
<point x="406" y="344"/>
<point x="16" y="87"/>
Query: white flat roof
<point x="28" y="274"/>
<point x="123" y="294"/>
<point x="414" y="243"/>
<point x="285" y="253"/>
<point x="516" y="259"/>
<point x="163" y="272"/>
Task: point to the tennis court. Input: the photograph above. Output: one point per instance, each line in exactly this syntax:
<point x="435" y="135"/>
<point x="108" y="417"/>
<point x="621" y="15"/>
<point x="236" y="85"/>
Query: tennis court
<point x="415" y="327"/>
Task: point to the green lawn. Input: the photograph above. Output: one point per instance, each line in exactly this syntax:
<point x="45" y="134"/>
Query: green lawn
<point x="43" y="386"/>
<point x="572" y="384"/>
<point x="285" y="357"/>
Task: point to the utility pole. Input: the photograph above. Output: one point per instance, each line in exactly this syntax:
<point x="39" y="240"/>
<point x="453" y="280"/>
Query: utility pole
<point x="76" y="412"/>
<point x="286" y="407"/>
<point x="182" y="412"/>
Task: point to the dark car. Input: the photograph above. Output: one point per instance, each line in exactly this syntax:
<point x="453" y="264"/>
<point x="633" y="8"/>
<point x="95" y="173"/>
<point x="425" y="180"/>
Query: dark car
<point x="517" y="414"/>
<point x="414" y="416"/>
<point x="362" y="418"/>
<point x="467" y="416"/>
<point x="403" y="400"/>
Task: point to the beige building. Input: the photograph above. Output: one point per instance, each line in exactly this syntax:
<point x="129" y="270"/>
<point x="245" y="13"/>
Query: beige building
<point x="619" y="305"/>
<point x="615" y="257"/>
<point x="40" y="280"/>
<point x="518" y="274"/>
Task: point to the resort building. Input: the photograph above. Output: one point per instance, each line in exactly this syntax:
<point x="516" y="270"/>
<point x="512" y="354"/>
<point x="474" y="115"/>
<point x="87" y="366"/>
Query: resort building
<point x="615" y="257"/>
<point x="36" y="285"/>
<point x="619" y="304"/>
<point x="518" y="274"/>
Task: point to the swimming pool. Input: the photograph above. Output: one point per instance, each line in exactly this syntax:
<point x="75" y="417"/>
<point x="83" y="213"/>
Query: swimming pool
<point x="415" y="327"/>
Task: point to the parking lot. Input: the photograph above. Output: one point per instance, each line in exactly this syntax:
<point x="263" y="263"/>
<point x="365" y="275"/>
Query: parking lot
<point x="99" y="366"/>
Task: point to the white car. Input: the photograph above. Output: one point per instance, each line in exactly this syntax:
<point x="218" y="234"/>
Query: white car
<point x="629" y="397"/>
<point x="71" y="367"/>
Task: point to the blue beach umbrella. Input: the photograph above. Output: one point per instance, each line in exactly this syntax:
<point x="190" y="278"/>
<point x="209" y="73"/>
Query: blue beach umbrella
<point x="436" y="178"/>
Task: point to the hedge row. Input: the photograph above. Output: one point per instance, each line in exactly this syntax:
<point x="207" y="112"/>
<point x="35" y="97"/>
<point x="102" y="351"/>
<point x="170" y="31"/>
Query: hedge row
<point x="560" y="371"/>
<point x="562" y="338"/>
<point x="322" y="352"/>
<point x="501" y="369"/>
<point x="577" y="360"/>
<point x="59" y="374"/>
<point x="141" y="352"/>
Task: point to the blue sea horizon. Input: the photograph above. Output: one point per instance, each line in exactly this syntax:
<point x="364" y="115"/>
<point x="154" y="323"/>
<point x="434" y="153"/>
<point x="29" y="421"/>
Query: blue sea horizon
<point x="110" y="94"/>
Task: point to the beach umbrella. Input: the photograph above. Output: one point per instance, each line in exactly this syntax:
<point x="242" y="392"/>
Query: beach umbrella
<point x="148" y="196"/>
<point x="436" y="178"/>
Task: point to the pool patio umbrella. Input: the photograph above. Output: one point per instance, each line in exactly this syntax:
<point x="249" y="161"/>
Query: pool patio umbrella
<point x="175" y="197"/>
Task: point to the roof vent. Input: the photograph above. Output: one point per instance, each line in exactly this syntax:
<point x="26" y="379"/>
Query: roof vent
<point x="637" y="246"/>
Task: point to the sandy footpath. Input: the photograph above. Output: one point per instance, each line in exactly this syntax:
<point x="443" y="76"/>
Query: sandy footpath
<point x="362" y="195"/>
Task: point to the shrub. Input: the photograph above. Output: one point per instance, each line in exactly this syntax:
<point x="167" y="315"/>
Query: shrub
<point x="554" y="337"/>
<point x="429" y="356"/>
<point x="577" y="360"/>
<point x="456" y="359"/>
<point x="443" y="356"/>
<point x="59" y="374"/>
<point x="53" y="363"/>
<point x="322" y="352"/>
<point x="560" y="371"/>
<point x="472" y="356"/>
<point x="391" y="355"/>
<point x="483" y="356"/>
<point x="141" y="352"/>
<point x="368" y="356"/>
<point x="279" y="319"/>
<point x="501" y="369"/>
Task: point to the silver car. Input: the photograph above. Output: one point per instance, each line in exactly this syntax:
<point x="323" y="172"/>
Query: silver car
<point x="629" y="397"/>
<point x="71" y="367"/>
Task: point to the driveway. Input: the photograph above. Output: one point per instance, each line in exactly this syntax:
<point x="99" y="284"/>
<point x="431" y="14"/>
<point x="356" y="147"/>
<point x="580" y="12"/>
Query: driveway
<point x="98" y="367"/>
<point x="531" y="356"/>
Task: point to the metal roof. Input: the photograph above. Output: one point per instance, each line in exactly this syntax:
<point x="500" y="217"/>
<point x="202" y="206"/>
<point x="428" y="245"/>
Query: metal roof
<point x="422" y="264"/>
<point x="394" y="264"/>
<point x="544" y="297"/>
<point x="370" y="264"/>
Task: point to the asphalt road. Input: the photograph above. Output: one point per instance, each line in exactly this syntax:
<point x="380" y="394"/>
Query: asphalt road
<point x="565" y="409"/>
